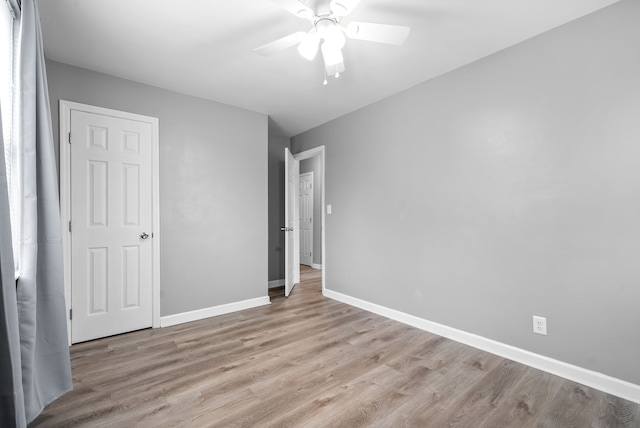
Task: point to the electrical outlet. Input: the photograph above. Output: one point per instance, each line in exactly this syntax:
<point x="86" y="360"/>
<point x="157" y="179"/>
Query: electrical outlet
<point x="539" y="325"/>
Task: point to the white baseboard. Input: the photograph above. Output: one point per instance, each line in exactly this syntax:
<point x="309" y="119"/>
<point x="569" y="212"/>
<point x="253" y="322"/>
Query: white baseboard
<point x="276" y="283"/>
<point x="602" y="382"/>
<point x="200" y="314"/>
<point x="316" y="266"/>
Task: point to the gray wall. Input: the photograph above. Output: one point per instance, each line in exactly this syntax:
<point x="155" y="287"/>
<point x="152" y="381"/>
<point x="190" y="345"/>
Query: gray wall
<point x="314" y="165"/>
<point x="213" y="214"/>
<point x="276" y="206"/>
<point x="504" y="189"/>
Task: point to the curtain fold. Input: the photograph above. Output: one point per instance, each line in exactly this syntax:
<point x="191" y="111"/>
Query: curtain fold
<point x="43" y="354"/>
<point x="46" y="372"/>
<point x="12" y="411"/>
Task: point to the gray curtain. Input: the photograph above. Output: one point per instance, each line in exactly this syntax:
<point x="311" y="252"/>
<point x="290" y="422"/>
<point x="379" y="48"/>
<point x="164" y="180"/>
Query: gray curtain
<point x="11" y="395"/>
<point x="41" y="315"/>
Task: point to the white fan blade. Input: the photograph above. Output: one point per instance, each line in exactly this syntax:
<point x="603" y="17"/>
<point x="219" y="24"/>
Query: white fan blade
<point x="294" y="6"/>
<point x="381" y="33"/>
<point x="343" y="7"/>
<point x="280" y="44"/>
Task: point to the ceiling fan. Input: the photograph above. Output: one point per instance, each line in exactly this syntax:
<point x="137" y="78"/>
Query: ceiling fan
<point x="328" y="36"/>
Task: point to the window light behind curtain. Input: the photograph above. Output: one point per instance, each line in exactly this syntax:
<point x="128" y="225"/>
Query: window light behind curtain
<point x="7" y="79"/>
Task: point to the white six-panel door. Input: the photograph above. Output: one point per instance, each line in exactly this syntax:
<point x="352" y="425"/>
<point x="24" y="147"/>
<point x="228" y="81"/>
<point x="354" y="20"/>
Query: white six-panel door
<point x="111" y="225"/>
<point x="306" y="218"/>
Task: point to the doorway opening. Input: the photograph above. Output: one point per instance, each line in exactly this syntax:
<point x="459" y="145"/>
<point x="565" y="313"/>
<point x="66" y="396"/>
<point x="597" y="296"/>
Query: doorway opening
<point x="312" y="160"/>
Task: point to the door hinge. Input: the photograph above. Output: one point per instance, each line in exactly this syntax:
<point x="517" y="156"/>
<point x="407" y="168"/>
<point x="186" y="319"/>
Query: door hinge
<point x="310" y="219"/>
<point x="69" y="137"/>
<point x="70" y="314"/>
<point x="69" y="226"/>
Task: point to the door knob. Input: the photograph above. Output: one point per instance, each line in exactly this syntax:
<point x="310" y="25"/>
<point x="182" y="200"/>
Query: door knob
<point x="286" y="229"/>
<point x="144" y="235"/>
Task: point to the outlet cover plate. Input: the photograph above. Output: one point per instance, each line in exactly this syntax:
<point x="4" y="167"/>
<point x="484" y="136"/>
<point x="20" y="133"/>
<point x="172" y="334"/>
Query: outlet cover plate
<point x="539" y="325"/>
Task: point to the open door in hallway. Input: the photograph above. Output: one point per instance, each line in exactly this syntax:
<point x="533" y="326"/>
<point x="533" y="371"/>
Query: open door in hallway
<point x="292" y="222"/>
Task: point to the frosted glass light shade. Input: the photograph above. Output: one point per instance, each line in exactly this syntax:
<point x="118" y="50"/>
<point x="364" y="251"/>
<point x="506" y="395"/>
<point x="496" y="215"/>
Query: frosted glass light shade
<point x="308" y="48"/>
<point x="331" y="55"/>
<point x="335" y="37"/>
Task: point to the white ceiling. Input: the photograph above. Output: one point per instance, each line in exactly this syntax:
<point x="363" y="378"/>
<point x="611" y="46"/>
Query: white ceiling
<point x="205" y="48"/>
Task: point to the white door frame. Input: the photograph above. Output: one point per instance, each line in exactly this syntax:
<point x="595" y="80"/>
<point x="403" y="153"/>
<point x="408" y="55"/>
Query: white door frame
<point x="65" y="198"/>
<point x="307" y="154"/>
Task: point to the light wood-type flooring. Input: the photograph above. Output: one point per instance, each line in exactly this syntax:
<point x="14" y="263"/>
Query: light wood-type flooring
<point x="309" y="361"/>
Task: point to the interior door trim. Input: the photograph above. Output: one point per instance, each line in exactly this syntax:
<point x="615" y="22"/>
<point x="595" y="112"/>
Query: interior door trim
<point x="65" y="198"/>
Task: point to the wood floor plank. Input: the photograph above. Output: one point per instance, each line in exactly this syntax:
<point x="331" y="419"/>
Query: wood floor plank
<point x="573" y="406"/>
<point x="370" y="405"/>
<point x="616" y="412"/>
<point x="483" y="398"/>
<point x="527" y="402"/>
<point x="306" y="361"/>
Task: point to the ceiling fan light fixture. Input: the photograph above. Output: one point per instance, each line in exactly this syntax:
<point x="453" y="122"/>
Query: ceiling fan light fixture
<point x="328" y="35"/>
<point x="308" y="47"/>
